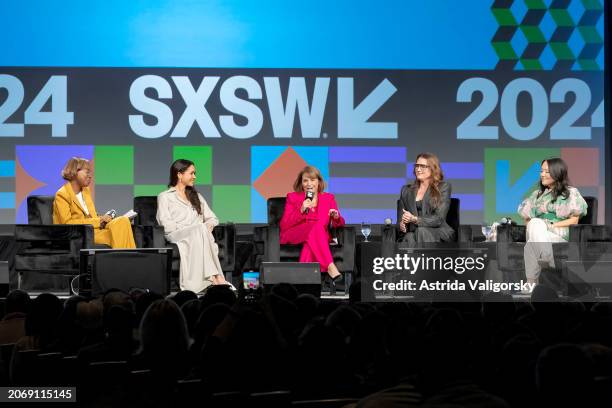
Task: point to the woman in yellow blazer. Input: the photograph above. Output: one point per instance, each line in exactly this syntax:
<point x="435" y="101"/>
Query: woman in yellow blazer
<point x="73" y="205"/>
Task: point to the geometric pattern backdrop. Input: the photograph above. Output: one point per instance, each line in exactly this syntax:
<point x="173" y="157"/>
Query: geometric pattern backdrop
<point x="366" y="179"/>
<point x="549" y="34"/>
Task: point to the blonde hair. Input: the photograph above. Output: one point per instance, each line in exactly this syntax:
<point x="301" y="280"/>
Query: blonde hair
<point x="73" y="166"/>
<point x="310" y="171"/>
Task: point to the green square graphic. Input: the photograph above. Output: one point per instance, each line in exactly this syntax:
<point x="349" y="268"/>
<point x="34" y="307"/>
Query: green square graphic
<point x="531" y="64"/>
<point x="590" y="35"/>
<point x="504" y="17"/>
<point x="505" y="51"/>
<point x="149" y="189"/>
<point x="589" y="65"/>
<point x="562" y="51"/>
<point x="533" y="34"/>
<point x="561" y="17"/>
<point x="114" y="165"/>
<point x="592" y="4"/>
<point x="232" y="203"/>
<point x="201" y="156"/>
<point x="535" y="4"/>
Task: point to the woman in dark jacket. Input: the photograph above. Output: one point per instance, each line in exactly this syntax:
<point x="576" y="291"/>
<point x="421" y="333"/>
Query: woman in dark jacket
<point x="424" y="204"/>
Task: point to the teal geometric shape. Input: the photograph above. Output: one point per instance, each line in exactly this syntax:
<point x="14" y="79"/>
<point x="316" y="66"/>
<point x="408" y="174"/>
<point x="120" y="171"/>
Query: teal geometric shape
<point x="547" y="58"/>
<point x="576" y="9"/>
<point x="600" y="59"/>
<point x="600" y="26"/>
<point x="7" y="168"/>
<point x="508" y="197"/>
<point x="259" y="209"/>
<point x="548" y="26"/>
<point x="519" y="42"/>
<point x="7" y="200"/>
<point x="576" y="42"/>
<point x="518" y="9"/>
<point x="263" y="156"/>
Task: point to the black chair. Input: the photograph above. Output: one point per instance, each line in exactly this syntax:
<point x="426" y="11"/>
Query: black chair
<point x="462" y="234"/>
<point x="25" y="372"/>
<point x="269" y="249"/>
<point x="151" y="235"/>
<point x="6" y="352"/>
<point x="103" y="381"/>
<point x="47" y="368"/>
<point x="511" y="242"/>
<point x="47" y="255"/>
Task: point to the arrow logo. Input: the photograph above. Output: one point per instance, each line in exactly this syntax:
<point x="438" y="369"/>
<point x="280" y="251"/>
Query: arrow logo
<point x="353" y="122"/>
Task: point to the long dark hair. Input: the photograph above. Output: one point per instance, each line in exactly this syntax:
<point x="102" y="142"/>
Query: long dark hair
<point x="180" y="166"/>
<point x="557" y="169"/>
<point x="436" y="177"/>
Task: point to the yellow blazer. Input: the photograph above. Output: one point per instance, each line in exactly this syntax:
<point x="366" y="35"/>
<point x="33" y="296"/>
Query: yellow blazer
<point x="68" y="210"/>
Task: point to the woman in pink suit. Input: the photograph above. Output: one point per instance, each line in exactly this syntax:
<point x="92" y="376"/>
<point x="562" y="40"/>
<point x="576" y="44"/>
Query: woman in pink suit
<point x="308" y="212"/>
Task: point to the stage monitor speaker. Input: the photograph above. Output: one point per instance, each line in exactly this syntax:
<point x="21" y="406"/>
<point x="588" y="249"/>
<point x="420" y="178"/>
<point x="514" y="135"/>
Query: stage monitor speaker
<point x="125" y="269"/>
<point x="305" y="276"/>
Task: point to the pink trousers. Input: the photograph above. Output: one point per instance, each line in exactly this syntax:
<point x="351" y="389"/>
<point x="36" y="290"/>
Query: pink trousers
<point x="315" y="244"/>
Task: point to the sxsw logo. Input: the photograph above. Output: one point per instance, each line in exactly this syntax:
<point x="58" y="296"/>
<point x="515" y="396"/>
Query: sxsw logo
<point x="245" y="98"/>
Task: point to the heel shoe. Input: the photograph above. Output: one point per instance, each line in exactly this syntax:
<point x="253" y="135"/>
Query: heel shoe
<point x="336" y="279"/>
<point x="332" y="284"/>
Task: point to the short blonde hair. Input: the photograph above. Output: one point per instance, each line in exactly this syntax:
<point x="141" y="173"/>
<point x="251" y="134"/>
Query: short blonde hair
<point x="73" y="166"/>
<point x="310" y="171"/>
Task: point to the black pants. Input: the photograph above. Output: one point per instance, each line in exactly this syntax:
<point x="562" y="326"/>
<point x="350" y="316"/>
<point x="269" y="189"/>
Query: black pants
<point x="426" y="234"/>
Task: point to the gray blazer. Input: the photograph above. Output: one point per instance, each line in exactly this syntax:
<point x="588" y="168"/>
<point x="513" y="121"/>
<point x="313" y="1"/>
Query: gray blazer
<point x="432" y="217"/>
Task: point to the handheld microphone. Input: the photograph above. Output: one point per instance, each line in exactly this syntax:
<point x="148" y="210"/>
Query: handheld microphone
<point x="388" y="221"/>
<point x="309" y="196"/>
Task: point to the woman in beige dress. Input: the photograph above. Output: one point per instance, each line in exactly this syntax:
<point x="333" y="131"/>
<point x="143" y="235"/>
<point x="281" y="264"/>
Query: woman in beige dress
<point x="188" y="222"/>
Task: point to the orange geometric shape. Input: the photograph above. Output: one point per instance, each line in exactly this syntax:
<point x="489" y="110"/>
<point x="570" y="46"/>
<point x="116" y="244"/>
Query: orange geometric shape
<point x="583" y="165"/>
<point x="24" y="183"/>
<point x="277" y="180"/>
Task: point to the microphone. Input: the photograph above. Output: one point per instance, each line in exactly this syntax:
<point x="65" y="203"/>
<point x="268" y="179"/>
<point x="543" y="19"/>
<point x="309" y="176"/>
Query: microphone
<point x="112" y="214"/>
<point x="388" y="221"/>
<point x="309" y="196"/>
<point x="506" y="221"/>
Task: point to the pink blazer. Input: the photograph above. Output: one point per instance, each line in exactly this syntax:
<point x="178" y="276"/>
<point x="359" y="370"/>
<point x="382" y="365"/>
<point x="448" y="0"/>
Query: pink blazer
<point x="295" y="226"/>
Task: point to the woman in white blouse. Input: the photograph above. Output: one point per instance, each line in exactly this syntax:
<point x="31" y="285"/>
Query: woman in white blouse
<point x="188" y="222"/>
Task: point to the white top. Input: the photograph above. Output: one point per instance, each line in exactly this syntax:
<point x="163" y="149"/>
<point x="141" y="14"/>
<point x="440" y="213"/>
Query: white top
<point x="82" y="202"/>
<point x="174" y="214"/>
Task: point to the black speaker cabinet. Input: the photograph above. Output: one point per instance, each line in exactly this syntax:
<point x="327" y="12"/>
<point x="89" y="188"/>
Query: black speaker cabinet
<point x="125" y="269"/>
<point x="305" y="276"/>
